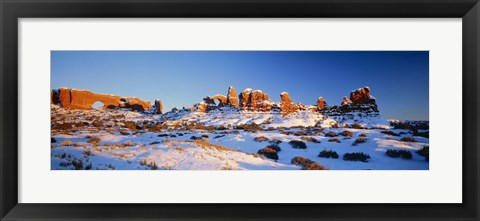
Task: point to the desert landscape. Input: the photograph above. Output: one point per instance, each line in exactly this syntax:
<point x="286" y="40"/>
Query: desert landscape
<point x="248" y="130"/>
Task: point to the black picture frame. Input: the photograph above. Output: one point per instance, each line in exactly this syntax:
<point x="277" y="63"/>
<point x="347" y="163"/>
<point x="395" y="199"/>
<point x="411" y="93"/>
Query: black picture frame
<point x="12" y="10"/>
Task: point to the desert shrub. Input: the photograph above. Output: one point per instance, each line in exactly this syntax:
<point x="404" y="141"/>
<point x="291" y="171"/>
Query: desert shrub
<point x="130" y="125"/>
<point x="154" y="142"/>
<point x="274" y="146"/>
<point x="153" y="166"/>
<point x="285" y="132"/>
<point x="269" y="153"/>
<point x="307" y="164"/>
<point x="127" y="144"/>
<point x="53" y="140"/>
<point x="391" y="133"/>
<point x="195" y="138"/>
<point x="97" y="123"/>
<point x="94" y="140"/>
<point x="297" y="144"/>
<point x="301" y="133"/>
<point x="317" y="131"/>
<point x="334" y="140"/>
<point x="122" y="132"/>
<point x="275" y="141"/>
<point x="328" y="154"/>
<point x="205" y="136"/>
<point x="249" y="127"/>
<point x="260" y="139"/>
<point x="357" y="126"/>
<point x="420" y="134"/>
<point x="362" y="135"/>
<point x="66" y="143"/>
<point x="411" y="125"/>
<point x="404" y="154"/>
<point x="424" y="152"/>
<point x="218" y="136"/>
<point x="310" y="139"/>
<point x="87" y="152"/>
<point x="221" y="127"/>
<point x="346" y="133"/>
<point x="62" y="126"/>
<point x="78" y="164"/>
<point x="162" y="135"/>
<point x="204" y="144"/>
<point x="358" y="156"/>
<point x="408" y="139"/>
<point x="359" y="141"/>
<point x="173" y="135"/>
<point x="331" y="134"/>
<point x="154" y="128"/>
<point x="88" y="166"/>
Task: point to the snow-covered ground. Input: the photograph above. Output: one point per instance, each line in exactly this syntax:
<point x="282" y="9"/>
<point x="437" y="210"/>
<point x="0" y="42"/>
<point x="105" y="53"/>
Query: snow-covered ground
<point x="125" y="140"/>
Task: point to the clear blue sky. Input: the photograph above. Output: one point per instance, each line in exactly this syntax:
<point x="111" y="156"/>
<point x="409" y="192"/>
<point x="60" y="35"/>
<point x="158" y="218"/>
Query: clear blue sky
<point x="399" y="80"/>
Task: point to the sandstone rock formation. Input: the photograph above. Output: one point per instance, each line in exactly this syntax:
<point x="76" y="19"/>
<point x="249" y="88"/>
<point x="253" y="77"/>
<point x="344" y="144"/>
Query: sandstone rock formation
<point x="64" y="97"/>
<point x="321" y="104"/>
<point x="222" y="99"/>
<point x="287" y="106"/>
<point x="83" y="100"/>
<point x="206" y="105"/>
<point x="254" y="101"/>
<point x="362" y="96"/>
<point x="360" y="101"/>
<point x="232" y="98"/>
<point x="346" y="101"/>
<point x="158" y="106"/>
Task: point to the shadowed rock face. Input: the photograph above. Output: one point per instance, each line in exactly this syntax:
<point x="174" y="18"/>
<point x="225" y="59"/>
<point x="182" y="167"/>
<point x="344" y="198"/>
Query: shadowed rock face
<point x="255" y="101"/>
<point x="232" y="98"/>
<point x="158" y="106"/>
<point x="287" y="106"/>
<point x="83" y="100"/>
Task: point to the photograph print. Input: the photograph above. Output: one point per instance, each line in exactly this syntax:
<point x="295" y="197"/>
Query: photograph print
<point x="239" y="110"/>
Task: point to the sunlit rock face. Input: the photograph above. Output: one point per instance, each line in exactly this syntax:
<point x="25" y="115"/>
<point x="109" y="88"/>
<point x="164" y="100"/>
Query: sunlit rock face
<point x="232" y="98"/>
<point x="255" y="101"/>
<point x="360" y="101"/>
<point x="84" y="100"/>
<point x="321" y="104"/>
<point x="286" y="104"/>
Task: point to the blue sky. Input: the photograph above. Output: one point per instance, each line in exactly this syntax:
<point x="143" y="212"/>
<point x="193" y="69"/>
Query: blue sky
<point x="398" y="79"/>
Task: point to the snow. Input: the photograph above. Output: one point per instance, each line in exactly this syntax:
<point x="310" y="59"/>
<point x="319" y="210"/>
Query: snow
<point x="228" y="148"/>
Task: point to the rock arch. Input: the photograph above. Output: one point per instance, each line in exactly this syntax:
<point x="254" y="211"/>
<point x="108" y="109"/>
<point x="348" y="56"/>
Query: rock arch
<point x="84" y="100"/>
<point x="222" y="99"/>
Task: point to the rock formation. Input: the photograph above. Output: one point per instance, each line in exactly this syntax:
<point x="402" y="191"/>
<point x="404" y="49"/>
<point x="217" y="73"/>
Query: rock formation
<point x="83" y="100"/>
<point x="232" y="98"/>
<point x="321" y="104"/>
<point x="158" y="107"/>
<point x="360" y="101"/>
<point x="206" y="105"/>
<point x="346" y="101"/>
<point x="254" y="101"/>
<point x="362" y="96"/>
<point x="287" y="106"/>
<point x="64" y="97"/>
<point x="222" y="99"/>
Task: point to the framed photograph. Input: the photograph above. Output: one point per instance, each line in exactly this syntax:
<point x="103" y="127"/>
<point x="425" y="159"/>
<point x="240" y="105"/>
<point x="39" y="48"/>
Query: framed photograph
<point x="239" y="110"/>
